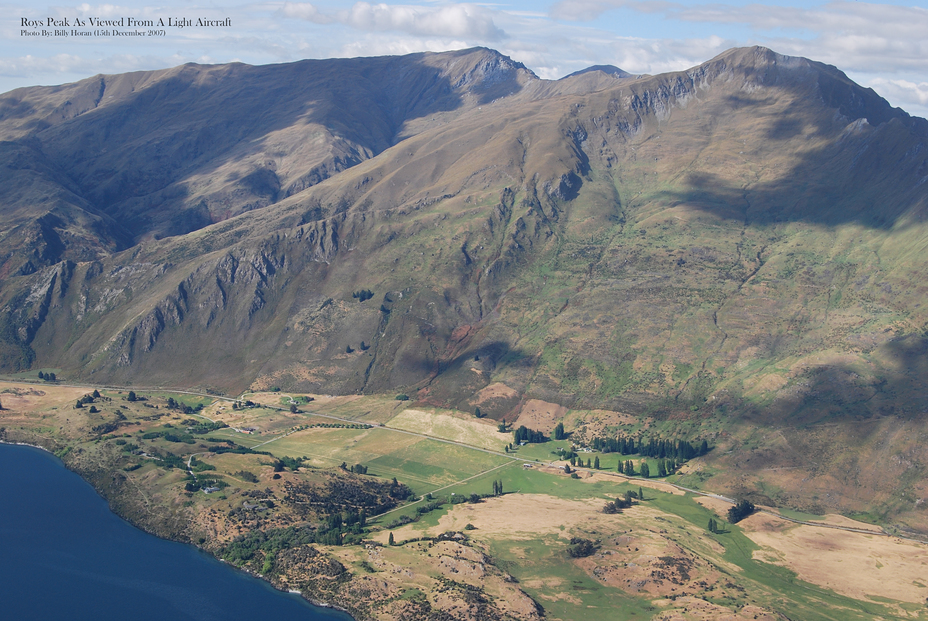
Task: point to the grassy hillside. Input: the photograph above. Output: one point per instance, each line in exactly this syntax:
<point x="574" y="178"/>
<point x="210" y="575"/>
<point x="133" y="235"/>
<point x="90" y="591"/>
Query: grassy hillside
<point x="742" y="243"/>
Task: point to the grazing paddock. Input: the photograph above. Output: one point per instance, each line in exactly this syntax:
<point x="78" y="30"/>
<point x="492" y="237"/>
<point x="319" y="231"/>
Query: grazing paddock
<point x="473" y="432"/>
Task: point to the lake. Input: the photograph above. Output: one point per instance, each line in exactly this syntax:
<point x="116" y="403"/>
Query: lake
<point x="65" y="555"/>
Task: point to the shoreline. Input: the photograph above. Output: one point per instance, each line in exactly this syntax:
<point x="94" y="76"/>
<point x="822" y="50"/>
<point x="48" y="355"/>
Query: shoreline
<point x="310" y="600"/>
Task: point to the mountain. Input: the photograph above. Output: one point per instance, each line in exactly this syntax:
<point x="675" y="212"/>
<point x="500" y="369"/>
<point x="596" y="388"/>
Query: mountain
<point x="748" y="234"/>
<point x="112" y="161"/>
<point x="607" y="69"/>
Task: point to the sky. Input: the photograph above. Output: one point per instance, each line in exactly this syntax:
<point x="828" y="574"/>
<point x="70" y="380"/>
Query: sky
<point x="883" y="45"/>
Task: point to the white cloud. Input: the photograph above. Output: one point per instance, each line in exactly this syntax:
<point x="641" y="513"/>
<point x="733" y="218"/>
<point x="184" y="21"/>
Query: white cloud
<point x="305" y="11"/>
<point x="30" y="65"/>
<point x="462" y="21"/>
<point x="902" y="90"/>
<point x="100" y="10"/>
<point x="70" y="64"/>
<point x="855" y="36"/>
<point x="379" y="45"/>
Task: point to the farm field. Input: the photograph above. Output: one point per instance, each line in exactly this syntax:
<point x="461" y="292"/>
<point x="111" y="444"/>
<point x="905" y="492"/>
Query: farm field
<point x="515" y="517"/>
<point x="440" y="425"/>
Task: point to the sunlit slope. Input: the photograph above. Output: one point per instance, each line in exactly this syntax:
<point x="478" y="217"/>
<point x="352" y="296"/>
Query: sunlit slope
<point x="747" y="236"/>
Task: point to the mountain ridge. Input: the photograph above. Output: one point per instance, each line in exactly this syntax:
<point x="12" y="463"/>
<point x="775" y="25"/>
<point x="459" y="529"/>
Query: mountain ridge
<point x="437" y="165"/>
<point x="738" y="245"/>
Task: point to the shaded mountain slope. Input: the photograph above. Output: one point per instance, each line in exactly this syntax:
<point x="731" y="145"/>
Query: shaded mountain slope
<point x="746" y="235"/>
<point x="168" y="152"/>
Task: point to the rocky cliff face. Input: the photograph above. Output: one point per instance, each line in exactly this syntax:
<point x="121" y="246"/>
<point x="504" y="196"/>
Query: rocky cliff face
<point x="745" y="235"/>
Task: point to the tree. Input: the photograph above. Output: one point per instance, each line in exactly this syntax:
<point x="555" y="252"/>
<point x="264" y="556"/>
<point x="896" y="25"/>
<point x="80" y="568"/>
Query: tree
<point x="713" y="527"/>
<point x="131" y="396"/>
<point x="559" y="432"/>
<point x="743" y="509"/>
<point x="96" y="393"/>
<point x="640" y="493"/>
<point x="477" y="412"/>
<point x="390" y="540"/>
<point x="645" y="471"/>
<point x="41" y="375"/>
<point x="348" y="349"/>
<point x="293" y="408"/>
<point x="50" y="377"/>
<point x="596" y="463"/>
<point x="93" y="409"/>
<point x="524" y="434"/>
<point x="78" y="405"/>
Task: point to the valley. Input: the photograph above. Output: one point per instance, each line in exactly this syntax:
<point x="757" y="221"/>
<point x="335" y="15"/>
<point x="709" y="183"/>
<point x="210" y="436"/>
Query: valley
<point x="316" y="317"/>
<point x="423" y="553"/>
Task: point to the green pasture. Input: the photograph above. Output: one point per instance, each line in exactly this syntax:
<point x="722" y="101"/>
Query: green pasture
<point x="543" y="570"/>
<point x="420" y="463"/>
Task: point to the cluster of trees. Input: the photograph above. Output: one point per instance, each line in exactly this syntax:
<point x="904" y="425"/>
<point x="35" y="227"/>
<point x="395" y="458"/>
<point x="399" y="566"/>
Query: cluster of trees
<point x="356" y="469"/>
<point x="559" y="433"/>
<point x="90" y="398"/>
<point x="664" y="468"/>
<point x="653" y="447"/>
<point x="232" y="447"/>
<point x="363" y="295"/>
<point x="575" y="460"/>
<point x="290" y="463"/>
<point x="193" y="485"/>
<point x="497" y="488"/>
<point x="524" y="434"/>
<point x="339" y="528"/>
<point x="429" y="507"/>
<point x="627" y="467"/>
<point x="201" y="427"/>
<point x="245" y="475"/>
<point x="623" y="502"/>
<point x="170" y="435"/>
<point x="197" y="465"/>
<point x="579" y="548"/>
<point x="174" y="404"/>
<point x="168" y="460"/>
<point x="740" y="511"/>
<point x="716" y="527"/>
<point x="47" y="377"/>
<point x="399" y="491"/>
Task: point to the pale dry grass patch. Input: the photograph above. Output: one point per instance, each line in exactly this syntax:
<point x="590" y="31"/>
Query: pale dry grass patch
<point x="857" y="565"/>
<point x="471" y="432"/>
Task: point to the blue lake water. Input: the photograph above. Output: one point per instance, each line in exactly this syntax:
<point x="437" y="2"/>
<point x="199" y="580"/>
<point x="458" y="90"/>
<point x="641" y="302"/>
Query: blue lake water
<point x="65" y="555"/>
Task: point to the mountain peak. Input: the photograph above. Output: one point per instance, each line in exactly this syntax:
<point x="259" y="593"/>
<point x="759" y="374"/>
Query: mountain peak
<point x="607" y="69"/>
<point x="826" y="83"/>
